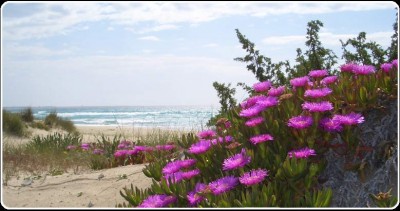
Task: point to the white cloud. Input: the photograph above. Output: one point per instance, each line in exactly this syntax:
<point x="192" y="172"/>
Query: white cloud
<point x="328" y="38"/>
<point x="15" y="50"/>
<point x="60" y="18"/>
<point x="210" y="45"/>
<point x="149" y="38"/>
<point x="158" y="28"/>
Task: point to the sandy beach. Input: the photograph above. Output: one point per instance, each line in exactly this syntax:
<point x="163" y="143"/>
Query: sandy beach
<point x="82" y="189"/>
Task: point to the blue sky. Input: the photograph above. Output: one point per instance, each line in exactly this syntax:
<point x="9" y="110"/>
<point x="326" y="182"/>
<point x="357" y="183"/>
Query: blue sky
<point x="160" y="53"/>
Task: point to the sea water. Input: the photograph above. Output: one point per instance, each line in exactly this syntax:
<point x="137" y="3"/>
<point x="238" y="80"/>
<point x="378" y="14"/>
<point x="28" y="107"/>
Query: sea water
<point x="184" y="117"/>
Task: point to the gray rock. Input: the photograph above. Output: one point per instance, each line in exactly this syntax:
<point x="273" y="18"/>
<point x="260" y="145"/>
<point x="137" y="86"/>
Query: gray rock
<point x="27" y="182"/>
<point x="379" y="131"/>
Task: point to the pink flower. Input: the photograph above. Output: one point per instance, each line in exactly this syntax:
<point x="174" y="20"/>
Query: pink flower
<point x="300" y="122"/>
<point x="317" y="106"/>
<point x="254" y="121"/>
<point x="200" y="147"/>
<point x="302" y="153"/>
<point x="386" y="67"/>
<point x="349" y="119"/>
<point x="223" y="185"/>
<point x="329" y="80"/>
<point x="253" y="177"/>
<point x="300" y="81"/>
<point x="261" y="138"/>
<point x="275" y="92"/>
<point x="318" y="73"/>
<point x="364" y="70"/>
<point x="262" y="86"/>
<point x="206" y="134"/>
<point x="317" y="93"/>
<point x="348" y="67"/>
<point x="236" y="161"/>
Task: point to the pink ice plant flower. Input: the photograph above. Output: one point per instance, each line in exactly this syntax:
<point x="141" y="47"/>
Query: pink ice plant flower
<point x="253" y="177"/>
<point x="120" y="153"/>
<point x="262" y="86"/>
<point x="300" y="122"/>
<point x="275" y="92"/>
<point x="349" y="119"/>
<point x="71" y="147"/>
<point x="193" y="197"/>
<point x="317" y="106"/>
<point x="158" y="200"/>
<point x="302" y="153"/>
<point x="206" y="134"/>
<point x="225" y="139"/>
<point x="172" y="167"/>
<point x="200" y="147"/>
<point x="261" y="138"/>
<point x="166" y="147"/>
<point x="189" y="174"/>
<point x="317" y="93"/>
<point x="85" y="146"/>
<point x="236" y="161"/>
<point x="329" y="80"/>
<point x="187" y="163"/>
<point x="252" y="101"/>
<point x="330" y="126"/>
<point x="254" y="121"/>
<point x="252" y="111"/>
<point x="364" y="70"/>
<point x="318" y="73"/>
<point x="386" y="67"/>
<point x="349" y="67"/>
<point x="300" y="81"/>
<point x="98" y="151"/>
<point x="267" y="102"/>
<point x="131" y="152"/>
<point x="394" y="62"/>
<point x="174" y="177"/>
<point x="223" y="184"/>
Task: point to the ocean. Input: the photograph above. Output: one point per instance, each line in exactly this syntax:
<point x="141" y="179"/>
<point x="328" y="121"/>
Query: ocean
<point x="180" y="117"/>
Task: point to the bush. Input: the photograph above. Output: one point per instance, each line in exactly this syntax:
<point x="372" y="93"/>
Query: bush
<point x="27" y="115"/>
<point x="54" y="142"/>
<point x="52" y="120"/>
<point x="13" y="124"/>
<point x="39" y="125"/>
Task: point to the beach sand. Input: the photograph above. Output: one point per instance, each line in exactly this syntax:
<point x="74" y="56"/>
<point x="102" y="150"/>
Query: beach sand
<point x="80" y="189"/>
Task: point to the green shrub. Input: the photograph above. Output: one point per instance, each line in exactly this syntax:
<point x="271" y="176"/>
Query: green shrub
<point x="13" y="124"/>
<point x="54" y="142"/>
<point x="39" y="125"/>
<point x="52" y="120"/>
<point x="27" y="115"/>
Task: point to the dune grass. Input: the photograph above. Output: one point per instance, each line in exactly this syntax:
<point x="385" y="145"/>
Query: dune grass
<point x="49" y="154"/>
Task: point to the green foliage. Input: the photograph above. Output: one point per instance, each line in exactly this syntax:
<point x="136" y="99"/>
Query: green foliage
<point x="56" y="142"/>
<point x="366" y="53"/>
<point x="52" y="120"/>
<point x="384" y="199"/>
<point x="27" y="115"/>
<point x="225" y="93"/>
<point x="261" y="66"/>
<point x="393" y="54"/>
<point x="316" y="57"/>
<point x="291" y="181"/>
<point x="13" y="124"/>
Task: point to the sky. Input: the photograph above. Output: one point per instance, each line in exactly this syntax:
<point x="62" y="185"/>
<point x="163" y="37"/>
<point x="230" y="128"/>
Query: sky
<point x="160" y="53"/>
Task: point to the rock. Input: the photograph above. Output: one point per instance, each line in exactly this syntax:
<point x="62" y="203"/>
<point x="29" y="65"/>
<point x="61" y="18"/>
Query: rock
<point x="27" y="182"/>
<point x="100" y="176"/>
<point x="90" y="204"/>
<point x="377" y="132"/>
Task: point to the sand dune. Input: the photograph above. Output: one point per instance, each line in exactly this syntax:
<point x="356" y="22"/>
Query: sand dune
<point x="81" y="189"/>
<point x="74" y="190"/>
